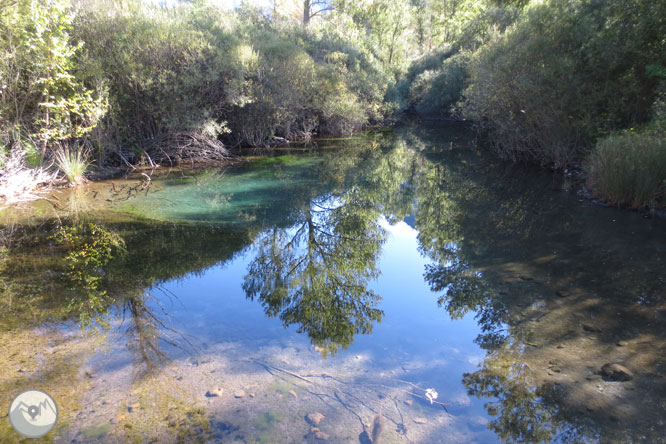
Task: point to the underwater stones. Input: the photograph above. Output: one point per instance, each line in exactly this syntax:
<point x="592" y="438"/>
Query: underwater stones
<point x="239" y="394"/>
<point x="293" y="394"/>
<point x="321" y="436"/>
<point x="409" y="402"/>
<point x="591" y="328"/>
<point x="120" y="418"/>
<point x="314" y="418"/>
<point x="621" y="343"/>
<point x="616" y="372"/>
<point x="215" y="392"/>
<point x="420" y="420"/>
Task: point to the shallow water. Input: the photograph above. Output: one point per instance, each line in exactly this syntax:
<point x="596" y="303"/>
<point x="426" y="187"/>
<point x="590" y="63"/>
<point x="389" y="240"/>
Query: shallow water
<point x="344" y="278"/>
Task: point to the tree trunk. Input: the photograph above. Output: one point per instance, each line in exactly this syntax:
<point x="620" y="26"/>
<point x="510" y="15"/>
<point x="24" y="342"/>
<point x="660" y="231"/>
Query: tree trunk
<point x="306" y="12"/>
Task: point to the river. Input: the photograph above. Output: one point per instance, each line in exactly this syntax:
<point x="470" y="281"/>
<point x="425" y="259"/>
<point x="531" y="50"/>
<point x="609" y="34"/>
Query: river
<point x="403" y="276"/>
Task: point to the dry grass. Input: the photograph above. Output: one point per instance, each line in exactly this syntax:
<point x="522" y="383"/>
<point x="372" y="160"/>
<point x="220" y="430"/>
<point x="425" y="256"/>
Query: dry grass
<point x="18" y="183"/>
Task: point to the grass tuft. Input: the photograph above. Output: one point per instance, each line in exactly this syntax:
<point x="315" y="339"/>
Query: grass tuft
<point x="630" y="169"/>
<point x="72" y="163"/>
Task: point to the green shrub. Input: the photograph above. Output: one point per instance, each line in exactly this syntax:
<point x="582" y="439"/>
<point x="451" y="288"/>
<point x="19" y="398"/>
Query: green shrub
<point x="44" y="97"/>
<point x="564" y="74"/>
<point x="445" y="90"/>
<point x="629" y="169"/>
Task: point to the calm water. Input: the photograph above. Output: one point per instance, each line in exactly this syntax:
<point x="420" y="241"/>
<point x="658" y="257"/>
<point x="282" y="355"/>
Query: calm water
<point x="351" y="279"/>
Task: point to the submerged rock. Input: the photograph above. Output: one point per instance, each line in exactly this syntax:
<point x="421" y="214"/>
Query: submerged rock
<point x="616" y="372"/>
<point x="239" y="394"/>
<point x="420" y="420"/>
<point x="314" y="418"/>
<point x="591" y="328"/>
<point x="217" y="391"/>
<point x="321" y="436"/>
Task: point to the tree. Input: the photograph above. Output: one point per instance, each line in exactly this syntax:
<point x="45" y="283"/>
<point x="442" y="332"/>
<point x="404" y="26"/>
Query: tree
<point x="312" y="8"/>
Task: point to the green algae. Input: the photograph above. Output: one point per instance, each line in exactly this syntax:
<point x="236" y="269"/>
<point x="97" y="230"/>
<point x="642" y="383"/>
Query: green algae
<point x="96" y="432"/>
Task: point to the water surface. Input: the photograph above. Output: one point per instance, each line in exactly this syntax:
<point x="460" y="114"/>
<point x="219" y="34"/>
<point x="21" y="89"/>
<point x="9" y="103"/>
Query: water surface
<point x="345" y="278"/>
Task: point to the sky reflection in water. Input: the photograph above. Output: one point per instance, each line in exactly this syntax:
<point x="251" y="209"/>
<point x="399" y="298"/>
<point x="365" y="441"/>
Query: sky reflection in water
<point x="403" y="259"/>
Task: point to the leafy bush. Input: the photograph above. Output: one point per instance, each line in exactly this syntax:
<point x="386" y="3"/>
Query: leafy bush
<point x="564" y="74"/>
<point x="445" y="90"/>
<point x="44" y="98"/>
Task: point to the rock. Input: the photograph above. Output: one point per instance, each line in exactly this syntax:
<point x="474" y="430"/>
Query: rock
<point x="293" y="394"/>
<point x="409" y="402"/>
<point x="616" y="372"/>
<point x="591" y="328"/>
<point x="217" y="391"/>
<point x="321" y="435"/>
<point x="314" y="429"/>
<point x="133" y="407"/>
<point x="118" y="419"/>
<point x="420" y="420"/>
<point x="252" y="395"/>
<point x="90" y="375"/>
<point x="314" y="418"/>
<point x="562" y="293"/>
<point x="621" y="343"/>
<point x="526" y="278"/>
<point x="239" y="394"/>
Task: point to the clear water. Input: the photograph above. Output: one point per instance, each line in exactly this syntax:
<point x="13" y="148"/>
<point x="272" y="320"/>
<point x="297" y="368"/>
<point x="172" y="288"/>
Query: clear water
<point x="346" y="279"/>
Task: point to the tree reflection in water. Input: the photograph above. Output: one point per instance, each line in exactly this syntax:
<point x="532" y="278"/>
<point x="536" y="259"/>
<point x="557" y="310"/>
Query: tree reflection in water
<point x="316" y="252"/>
<point x="315" y="274"/>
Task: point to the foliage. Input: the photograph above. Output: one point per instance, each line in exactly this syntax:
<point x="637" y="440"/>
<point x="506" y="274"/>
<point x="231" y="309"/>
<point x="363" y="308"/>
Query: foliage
<point x="629" y="168"/>
<point x="73" y="163"/>
<point x="44" y="98"/>
<point x="565" y="73"/>
<point x="90" y="248"/>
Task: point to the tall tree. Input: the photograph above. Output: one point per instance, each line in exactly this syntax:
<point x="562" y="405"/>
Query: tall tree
<point x="312" y="8"/>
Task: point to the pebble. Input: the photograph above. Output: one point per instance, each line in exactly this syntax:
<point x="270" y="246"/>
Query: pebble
<point x="118" y="419"/>
<point x="252" y="395"/>
<point x="133" y="407"/>
<point x="616" y="372"/>
<point x="314" y="418"/>
<point x="409" y="402"/>
<point x="321" y="435"/>
<point x="293" y="393"/>
<point x="217" y="391"/>
<point x="239" y="394"/>
<point x="420" y="420"/>
<point x="622" y="343"/>
<point x="591" y="328"/>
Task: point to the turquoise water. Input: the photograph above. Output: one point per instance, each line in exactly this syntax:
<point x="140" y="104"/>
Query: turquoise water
<point x="354" y="281"/>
